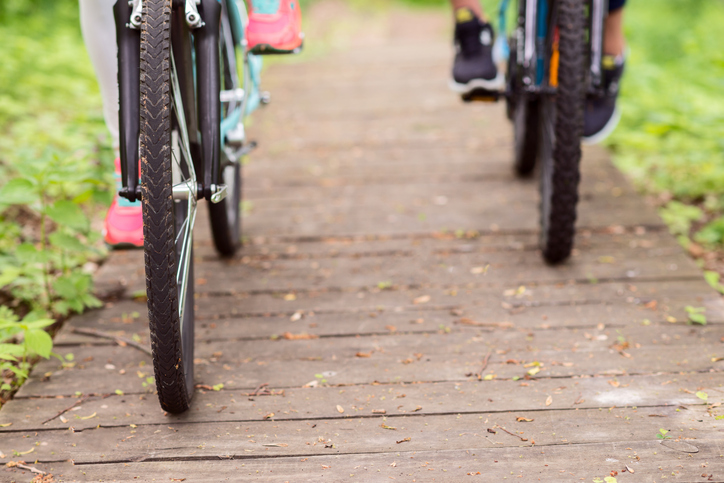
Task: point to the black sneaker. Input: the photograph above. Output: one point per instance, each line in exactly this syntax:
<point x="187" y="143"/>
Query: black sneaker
<point x="601" y="116"/>
<point x="474" y="66"/>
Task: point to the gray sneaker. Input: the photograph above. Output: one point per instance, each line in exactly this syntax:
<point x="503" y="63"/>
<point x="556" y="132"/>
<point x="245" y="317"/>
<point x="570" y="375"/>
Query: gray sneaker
<point x="474" y="67"/>
<point x="601" y="115"/>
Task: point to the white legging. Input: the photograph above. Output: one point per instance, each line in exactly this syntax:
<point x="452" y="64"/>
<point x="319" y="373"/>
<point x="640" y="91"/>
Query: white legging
<point x="99" y="33"/>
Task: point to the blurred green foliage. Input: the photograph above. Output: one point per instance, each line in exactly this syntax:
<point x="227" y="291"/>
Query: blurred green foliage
<point x="671" y="136"/>
<point x="55" y="172"/>
<point x="49" y="98"/>
<point x="55" y="157"/>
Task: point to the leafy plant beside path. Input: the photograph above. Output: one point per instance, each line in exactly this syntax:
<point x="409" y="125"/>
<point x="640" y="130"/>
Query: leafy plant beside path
<point x="55" y="175"/>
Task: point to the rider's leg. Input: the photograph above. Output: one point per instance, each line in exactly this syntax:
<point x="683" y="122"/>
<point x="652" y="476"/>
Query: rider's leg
<point x="473" y="67"/>
<point x="602" y="115"/>
<point x="275" y="26"/>
<point x="613" y="40"/>
<point x="124" y="222"/>
<point x="99" y="33"/>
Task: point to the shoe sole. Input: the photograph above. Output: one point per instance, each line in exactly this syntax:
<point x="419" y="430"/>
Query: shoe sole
<point x="605" y="132"/>
<point x="496" y="84"/>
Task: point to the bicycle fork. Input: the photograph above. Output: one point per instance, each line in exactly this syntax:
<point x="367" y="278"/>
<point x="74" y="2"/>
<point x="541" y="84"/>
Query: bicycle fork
<point x="207" y="75"/>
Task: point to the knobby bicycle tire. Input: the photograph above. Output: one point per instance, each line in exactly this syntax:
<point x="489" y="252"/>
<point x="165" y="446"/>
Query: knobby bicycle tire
<point x="526" y="129"/>
<point x="171" y="342"/>
<point x="225" y="216"/>
<point x="523" y="112"/>
<point x="560" y="146"/>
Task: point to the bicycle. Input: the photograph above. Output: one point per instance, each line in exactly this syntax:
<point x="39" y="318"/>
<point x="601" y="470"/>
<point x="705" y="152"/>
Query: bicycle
<point x="554" y="62"/>
<point x="182" y="110"/>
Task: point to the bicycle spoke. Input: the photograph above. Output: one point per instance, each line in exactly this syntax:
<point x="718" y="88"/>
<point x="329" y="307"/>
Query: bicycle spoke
<point x="183" y="173"/>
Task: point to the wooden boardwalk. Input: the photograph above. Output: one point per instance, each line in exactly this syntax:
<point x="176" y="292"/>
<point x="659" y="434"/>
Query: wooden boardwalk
<point x="390" y="317"/>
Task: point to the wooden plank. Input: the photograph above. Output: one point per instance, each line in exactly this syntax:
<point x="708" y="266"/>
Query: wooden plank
<point x="670" y="296"/>
<point x="419" y="268"/>
<point x="461" y="397"/>
<point x="122" y="274"/>
<point x="365" y="435"/>
<point x="393" y="359"/>
<point x="119" y="320"/>
<point x="649" y="459"/>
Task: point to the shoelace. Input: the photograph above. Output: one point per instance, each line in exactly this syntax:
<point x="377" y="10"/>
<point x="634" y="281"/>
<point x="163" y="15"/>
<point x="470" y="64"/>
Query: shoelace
<point x="266" y="7"/>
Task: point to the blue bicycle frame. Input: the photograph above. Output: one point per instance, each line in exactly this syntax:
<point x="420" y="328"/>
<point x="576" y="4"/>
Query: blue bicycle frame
<point x="531" y="33"/>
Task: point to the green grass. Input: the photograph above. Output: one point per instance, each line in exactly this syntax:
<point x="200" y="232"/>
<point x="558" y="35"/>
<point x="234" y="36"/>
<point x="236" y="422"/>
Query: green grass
<point x="49" y="98"/>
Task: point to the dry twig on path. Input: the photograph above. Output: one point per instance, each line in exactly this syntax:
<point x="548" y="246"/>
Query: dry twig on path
<point x="479" y="374"/>
<point x="512" y="434"/>
<point x="122" y="341"/>
<point x="79" y="401"/>
<point x="23" y="466"/>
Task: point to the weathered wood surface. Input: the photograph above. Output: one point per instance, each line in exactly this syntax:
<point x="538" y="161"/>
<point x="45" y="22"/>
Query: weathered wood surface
<point x="391" y="288"/>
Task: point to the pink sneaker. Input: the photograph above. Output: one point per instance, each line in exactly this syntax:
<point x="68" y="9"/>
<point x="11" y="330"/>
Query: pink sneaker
<point x="124" y="222"/>
<point x="275" y="27"/>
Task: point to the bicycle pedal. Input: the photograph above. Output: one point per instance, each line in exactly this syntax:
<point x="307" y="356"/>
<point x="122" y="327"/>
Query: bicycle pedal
<point x="481" y="95"/>
<point x="237" y="151"/>
<point x="236" y="136"/>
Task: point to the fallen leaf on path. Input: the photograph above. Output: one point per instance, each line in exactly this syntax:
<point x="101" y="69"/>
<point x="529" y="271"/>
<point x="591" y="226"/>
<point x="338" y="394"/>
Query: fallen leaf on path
<point x="423" y="299"/>
<point x="515" y="291"/>
<point x="364" y="354"/>
<point x="340" y="409"/>
<point x="522" y="419"/>
<point x="384" y="426"/>
<point x="469" y="321"/>
<point x="275" y="445"/>
<point x="614" y="383"/>
<point x="418" y="408"/>
<point x="295" y="316"/>
<point x="379" y="411"/>
<point x="289" y="297"/>
<point x="629" y="469"/>
<point x="5" y="425"/>
<point x="549" y="400"/>
<point x="480" y="270"/>
<point x="269" y="416"/>
<point x="302" y="336"/>
<point x="403" y="440"/>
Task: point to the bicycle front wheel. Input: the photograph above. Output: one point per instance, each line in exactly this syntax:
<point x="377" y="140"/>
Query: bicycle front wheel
<point x="561" y="124"/>
<point x="169" y="191"/>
